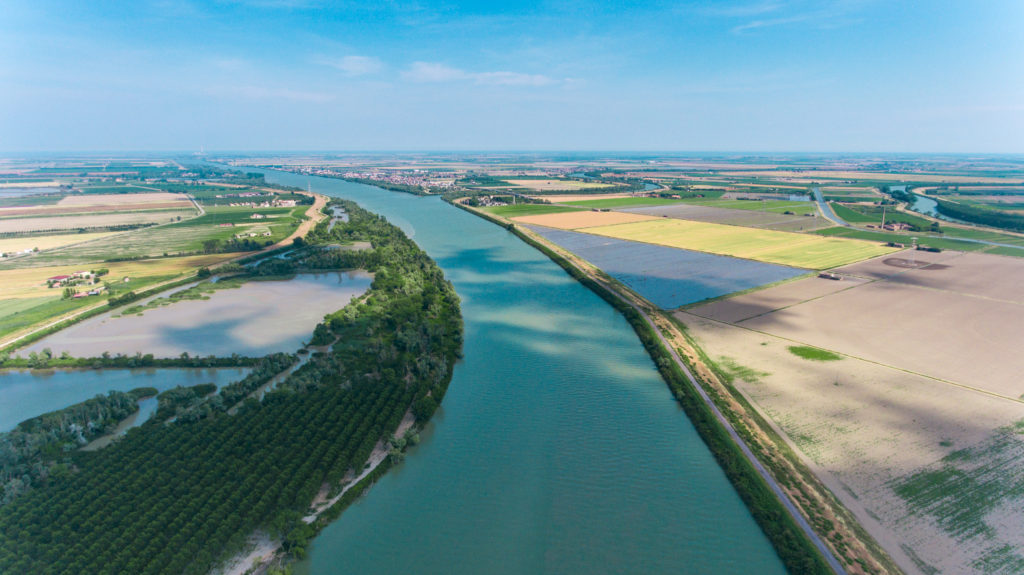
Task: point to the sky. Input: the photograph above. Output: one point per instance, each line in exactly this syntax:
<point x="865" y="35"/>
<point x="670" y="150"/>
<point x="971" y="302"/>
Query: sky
<point x="305" y="75"/>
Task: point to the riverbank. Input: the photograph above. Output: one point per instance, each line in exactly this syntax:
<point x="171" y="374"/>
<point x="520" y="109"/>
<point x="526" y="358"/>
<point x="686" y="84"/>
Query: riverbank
<point x="260" y="466"/>
<point x="727" y="435"/>
<point x="267" y="551"/>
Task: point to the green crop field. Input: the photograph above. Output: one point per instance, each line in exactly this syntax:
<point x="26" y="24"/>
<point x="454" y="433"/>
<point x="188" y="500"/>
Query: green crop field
<point x="623" y="202"/>
<point x="798" y="250"/>
<point x="17" y="314"/>
<point x="186" y="236"/>
<point x="951" y="232"/>
<point x="1005" y="251"/>
<point x="873" y="215"/>
<point x="777" y="206"/>
<point x="943" y="243"/>
<point x="528" y="210"/>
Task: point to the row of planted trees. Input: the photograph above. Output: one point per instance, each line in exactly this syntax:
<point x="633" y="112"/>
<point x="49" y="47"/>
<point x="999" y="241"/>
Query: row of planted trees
<point x="181" y="497"/>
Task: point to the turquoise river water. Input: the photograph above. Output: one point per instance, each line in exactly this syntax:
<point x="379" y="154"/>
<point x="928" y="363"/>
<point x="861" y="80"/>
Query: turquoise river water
<point x="558" y="448"/>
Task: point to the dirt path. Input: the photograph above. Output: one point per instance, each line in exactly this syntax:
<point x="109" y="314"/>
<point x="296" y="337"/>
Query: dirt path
<point x="315" y="217"/>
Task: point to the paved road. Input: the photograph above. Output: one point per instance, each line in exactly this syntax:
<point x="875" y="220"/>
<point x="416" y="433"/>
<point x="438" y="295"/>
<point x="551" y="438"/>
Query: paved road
<point x="769" y="479"/>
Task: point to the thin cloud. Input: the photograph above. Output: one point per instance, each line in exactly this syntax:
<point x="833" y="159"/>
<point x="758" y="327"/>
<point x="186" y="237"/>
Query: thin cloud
<point x="512" y="79"/>
<point x="437" y="72"/>
<point x="357" y="65"/>
<point x="433" y="72"/>
<point x="745" y="10"/>
<point x="268" y="93"/>
<point x="774" y="13"/>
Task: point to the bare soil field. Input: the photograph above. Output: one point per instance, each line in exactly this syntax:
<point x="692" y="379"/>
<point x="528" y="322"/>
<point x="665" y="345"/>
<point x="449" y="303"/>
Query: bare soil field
<point x="65" y="210"/>
<point x="928" y="320"/>
<point x="40" y="184"/>
<point x="933" y="471"/>
<point x="48" y="242"/>
<point x="746" y="218"/>
<point x="778" y="297"/>
<point x="116" y="200"/>
<point x="21" y="225"/>
<point x="574" y="220"/>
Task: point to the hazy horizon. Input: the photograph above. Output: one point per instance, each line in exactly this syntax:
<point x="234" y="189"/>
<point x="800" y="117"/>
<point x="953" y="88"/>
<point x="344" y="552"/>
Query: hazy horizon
<point x="302" y="76"/>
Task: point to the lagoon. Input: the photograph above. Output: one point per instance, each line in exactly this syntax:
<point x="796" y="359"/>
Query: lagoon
<point x="258" y="318"/>
<point x="26" y="394"/>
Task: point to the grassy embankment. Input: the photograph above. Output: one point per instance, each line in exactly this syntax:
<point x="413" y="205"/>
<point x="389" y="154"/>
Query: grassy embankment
<point x="796" y="551"/>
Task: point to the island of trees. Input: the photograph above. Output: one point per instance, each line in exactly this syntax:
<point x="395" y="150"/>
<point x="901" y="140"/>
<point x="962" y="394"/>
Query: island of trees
<point x="184" y="491"/>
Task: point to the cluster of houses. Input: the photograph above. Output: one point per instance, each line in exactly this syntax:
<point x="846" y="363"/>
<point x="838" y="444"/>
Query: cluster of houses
<point x="425" y="179"/>
<point x="264" y="204"/>
<point x="77" y="278"/>
<point x="891" y="226"/>
<point x="255" y="233"/>
<point x="16" y="253"/>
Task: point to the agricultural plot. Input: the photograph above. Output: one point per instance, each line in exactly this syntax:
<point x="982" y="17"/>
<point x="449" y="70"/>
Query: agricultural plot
<point x="745" y="218"/>
<point x="31" y="282"/>
<point x="927" y="240"/>
<point x="870" y="214"/>
<point x="122" y="200"/>
<point x="622" y="202"/>
<point x="918" y="426"/>
<point x="582" y="219"/>
<point x="73" y="222"/>
<point x="571" y="197"/>
<point x="527" y="210"/>
<point x="668" y="277"/>
<point x="933" y="471"/>
<point x="775" y="206"/>
<point x="82" y="204"/>
<point x="18" y="244"/>
<point x="925" y="315"/>
<point x="797" y="250"/>
<point x="554" y="185"/>
<point x="187" y="236"/>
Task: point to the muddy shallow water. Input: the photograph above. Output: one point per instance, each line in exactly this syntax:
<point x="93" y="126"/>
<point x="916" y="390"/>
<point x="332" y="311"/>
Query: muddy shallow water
<point x="258" y="318"/>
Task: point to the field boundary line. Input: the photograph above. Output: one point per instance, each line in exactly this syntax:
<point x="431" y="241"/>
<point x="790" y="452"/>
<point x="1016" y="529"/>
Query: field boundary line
<point x="864" y="359"/>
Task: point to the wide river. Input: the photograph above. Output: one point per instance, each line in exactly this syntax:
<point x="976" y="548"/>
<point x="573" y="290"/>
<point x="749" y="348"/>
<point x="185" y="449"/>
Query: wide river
<point x="558" y="448"/>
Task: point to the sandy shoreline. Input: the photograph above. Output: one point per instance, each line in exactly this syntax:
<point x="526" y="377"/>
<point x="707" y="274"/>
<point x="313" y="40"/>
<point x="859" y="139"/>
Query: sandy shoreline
<point x="265" y="550"/>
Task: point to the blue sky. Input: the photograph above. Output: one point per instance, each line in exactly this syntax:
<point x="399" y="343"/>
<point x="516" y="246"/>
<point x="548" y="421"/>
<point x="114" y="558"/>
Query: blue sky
<point x="758" y="75"/>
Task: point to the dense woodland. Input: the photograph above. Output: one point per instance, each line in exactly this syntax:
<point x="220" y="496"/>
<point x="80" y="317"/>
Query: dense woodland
<point x="978" y="215"/>
<point x="185" y="491"/>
